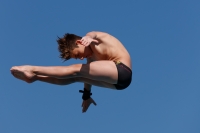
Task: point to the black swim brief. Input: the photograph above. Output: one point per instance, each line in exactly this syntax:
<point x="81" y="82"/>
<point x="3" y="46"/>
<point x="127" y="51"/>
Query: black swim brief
<point x="124" y="76"/>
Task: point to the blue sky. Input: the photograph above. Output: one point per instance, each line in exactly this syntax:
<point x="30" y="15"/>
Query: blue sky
<point x="162" y="37"/>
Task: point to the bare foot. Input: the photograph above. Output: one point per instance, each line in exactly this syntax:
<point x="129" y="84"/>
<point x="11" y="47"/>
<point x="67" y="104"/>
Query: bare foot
<point x="23" y="73"/>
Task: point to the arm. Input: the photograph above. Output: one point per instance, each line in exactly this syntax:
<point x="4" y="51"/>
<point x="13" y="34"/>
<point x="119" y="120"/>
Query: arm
<point x="86" y="103"/>
<point x="93" y="36"/>
<point x="88" y="86"/>
<point x="97" y="34"/>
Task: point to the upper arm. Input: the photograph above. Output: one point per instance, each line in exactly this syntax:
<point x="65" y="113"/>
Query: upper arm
<point x="89" y="60"/>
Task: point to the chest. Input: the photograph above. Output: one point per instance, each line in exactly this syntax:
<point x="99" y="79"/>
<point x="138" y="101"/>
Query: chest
<point x="99" y="53"/>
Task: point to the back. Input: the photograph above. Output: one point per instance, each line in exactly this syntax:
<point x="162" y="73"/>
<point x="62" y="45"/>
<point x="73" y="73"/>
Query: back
<point x="110" y="48"/>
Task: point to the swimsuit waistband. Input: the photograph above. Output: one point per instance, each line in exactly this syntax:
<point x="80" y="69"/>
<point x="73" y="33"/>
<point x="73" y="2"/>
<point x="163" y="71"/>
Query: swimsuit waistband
<point x="119" y="62"/>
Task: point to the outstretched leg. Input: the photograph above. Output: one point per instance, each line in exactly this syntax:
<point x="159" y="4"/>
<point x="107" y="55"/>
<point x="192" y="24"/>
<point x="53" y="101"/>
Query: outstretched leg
<point x="105" y="71"/>
<point x="27" y="76"/>
<point x="68" y="81"/>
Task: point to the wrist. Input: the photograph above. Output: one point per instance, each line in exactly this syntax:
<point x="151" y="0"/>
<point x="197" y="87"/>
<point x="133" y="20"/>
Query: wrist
<point x="87" y="89"/>
<point x="86" y="94"/>
<point x="91" y="34"/>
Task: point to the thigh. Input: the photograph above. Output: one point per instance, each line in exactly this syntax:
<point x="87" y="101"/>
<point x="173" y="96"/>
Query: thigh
<point x="95" y="83"/>
<point x="105" y="71"/>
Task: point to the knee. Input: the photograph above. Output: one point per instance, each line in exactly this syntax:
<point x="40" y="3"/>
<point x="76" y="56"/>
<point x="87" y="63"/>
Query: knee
<point x="76" y="70"/>
<point x="81" y="69"/>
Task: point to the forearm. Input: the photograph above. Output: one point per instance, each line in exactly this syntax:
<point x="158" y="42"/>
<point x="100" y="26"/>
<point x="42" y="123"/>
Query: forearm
<point x="92" y="34"/>
<point x="87" y="86"/>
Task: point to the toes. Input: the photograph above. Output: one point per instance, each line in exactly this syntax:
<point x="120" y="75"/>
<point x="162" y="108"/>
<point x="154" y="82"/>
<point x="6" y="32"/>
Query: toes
<point x="14" y="68"/>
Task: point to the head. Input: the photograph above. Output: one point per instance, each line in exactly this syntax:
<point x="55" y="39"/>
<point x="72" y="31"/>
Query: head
<point x="70" y="47"/>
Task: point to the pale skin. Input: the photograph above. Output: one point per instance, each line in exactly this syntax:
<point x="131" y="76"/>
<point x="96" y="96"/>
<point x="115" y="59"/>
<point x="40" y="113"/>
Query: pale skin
<point x="101" y="50"/>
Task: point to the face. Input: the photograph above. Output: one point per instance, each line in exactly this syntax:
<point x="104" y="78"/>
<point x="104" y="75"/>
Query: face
<point x="81" y="52"/>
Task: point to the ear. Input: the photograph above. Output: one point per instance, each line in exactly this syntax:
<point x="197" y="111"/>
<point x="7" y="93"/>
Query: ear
<point x="78" y="42"/>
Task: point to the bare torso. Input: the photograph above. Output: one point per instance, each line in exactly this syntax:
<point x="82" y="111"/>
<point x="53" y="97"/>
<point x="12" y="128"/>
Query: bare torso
<point x="109" y="48"/>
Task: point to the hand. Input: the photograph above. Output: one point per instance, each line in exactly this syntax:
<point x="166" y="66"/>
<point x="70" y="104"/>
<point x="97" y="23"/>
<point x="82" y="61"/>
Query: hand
<point x="86" y="40"/>
<point x="86" y="104"/>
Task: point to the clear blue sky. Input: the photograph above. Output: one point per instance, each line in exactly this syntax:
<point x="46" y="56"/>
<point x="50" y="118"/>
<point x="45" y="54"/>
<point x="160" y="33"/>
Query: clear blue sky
<point x="162" y="37"/>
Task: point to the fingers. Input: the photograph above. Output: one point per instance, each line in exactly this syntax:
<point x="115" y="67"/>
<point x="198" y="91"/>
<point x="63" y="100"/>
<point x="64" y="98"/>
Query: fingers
<point x="82" y="104"/>
<point x="85" y="107"/>
<point x="94" y="103"/>
<point x="96" y="41"/>
<point x="86" y="104"/>
<point x="85" y="42"/>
